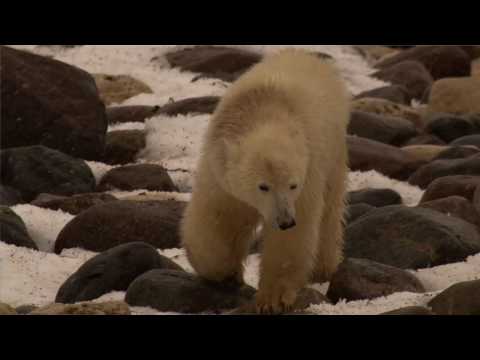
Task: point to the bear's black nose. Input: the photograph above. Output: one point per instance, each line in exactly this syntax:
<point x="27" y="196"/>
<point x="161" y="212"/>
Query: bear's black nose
<point x="287" y="225"/>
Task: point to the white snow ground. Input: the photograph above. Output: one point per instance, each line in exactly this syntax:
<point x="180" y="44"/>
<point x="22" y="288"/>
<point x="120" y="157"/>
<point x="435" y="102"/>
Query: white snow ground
<point x="33" y="277"/>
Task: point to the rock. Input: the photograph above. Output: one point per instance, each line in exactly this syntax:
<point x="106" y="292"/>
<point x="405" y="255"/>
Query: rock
<point x="198" y="105"/>
<point x="410" y="74"/>
<point x="36" y="169"/>
<point x="476" y="199"/>
<point x="105" y="226"/>
<point x="457" y="185"/>
<point x="425" y="139"/>
<point x="6" y="309"/>
<point x="133" y="177"/>
<point x="74" y="204"/>
<point x="358" y="279"/>
<point x="374" y="197"/>
<point x="472" y="50"/>
<point x="394" y="93"/>
<point x="476" y="68"/>
<point x="365" y="155"/>
<point x="470" y="140"/>
<point x="455" y="96"/>
<point x="424" y="153"/>
<point x="457" y="152"/>
<point x="386" y="129"/>
<point x="353" y="212"/>
<point x="13" y="230"/>
<point x="449" y="127"/>
<point x="410" y="310"/>
<point x="136" y="113"/>
<point x="455" y="206"/>
<point x="9" y="196"/>
<point x="305" y="299"/>
<point x="116" y="89"/>
<point x="440" y="61"/>
<point x="411" y="238"/>
<point x="460" y="299"/>
<point x="179" y="291"/>
<point x="89" y="308"/>
<point x="440" y="168"/>
<point x="25" y="309"/>
<point x="123" y="146"/>
<point x="47" y="102"/>
<point x="214" y="61"/>
<point x="112" y="270"/>
<point x="388" y="108"/>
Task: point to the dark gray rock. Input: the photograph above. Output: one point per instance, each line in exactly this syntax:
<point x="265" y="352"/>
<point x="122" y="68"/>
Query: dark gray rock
<point x="13" y="230"/>
<point x="459" y="299"/>
<point x="374" y="197"/>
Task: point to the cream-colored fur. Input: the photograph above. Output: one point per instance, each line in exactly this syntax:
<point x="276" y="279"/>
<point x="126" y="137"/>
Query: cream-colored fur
<point x="281" y="125"/>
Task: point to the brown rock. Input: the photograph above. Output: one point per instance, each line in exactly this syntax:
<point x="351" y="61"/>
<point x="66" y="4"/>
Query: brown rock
<point x="441" y="168"/>
<point x="134" y="177"/>
<point x="214" y="61"/>
<point x="118" y="88"/>
<point x="410" y="310"/>
<point x="135" y="113"/>
<point x="386" y="129"/>
<point x="123" y="146"/>
<point x="410" y="74"/>
<point x="365" y="154"/>
<point x="74" y="204"/>
<point x="425" y="139"/>
<point x="387" y="108"/>
<point x="6" y="309"/>
<point x="198" y="105"/>
<point x="460" y="299"/>
<point x="440" y="61"/>
<point x="455" y="206"/>
<point x="104" y="226"/>
<point x="456" y="96"/>
<point x="87" y="308"/>
<point x="47" y="102"/>
<point x="394" y="93"/>
<point x="358" y="279"/>
<point x="424" y="153"/>
<point x="457" y="152"/>
<point x="459" y="185"/>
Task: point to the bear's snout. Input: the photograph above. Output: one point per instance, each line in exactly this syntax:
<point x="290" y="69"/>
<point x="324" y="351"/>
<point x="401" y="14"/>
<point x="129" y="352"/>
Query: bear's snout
<point x="285" y="225"/>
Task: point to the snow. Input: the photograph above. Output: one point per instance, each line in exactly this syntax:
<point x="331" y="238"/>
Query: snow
<point x="33" y="277"/>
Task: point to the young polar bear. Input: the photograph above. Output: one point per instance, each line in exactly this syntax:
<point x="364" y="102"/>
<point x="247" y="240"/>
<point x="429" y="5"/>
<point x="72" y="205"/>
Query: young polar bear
<point x="274" y="153"/>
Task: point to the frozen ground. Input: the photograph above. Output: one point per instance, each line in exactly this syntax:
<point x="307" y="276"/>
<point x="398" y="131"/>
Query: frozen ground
<point x="32" y="277"/>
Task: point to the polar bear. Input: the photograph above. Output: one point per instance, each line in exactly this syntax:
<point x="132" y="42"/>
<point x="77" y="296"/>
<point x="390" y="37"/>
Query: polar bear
<point x="274" y="154"/>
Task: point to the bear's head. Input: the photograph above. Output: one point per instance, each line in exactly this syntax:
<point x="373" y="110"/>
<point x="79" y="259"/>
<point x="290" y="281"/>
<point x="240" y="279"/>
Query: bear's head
<point x="267" y="170"/>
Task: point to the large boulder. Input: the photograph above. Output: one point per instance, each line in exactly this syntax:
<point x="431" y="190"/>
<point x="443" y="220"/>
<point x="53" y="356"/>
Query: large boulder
<point x="179" y="291"/>
<point x="13" y="230"/>
<point x="456" y="96"/>
<point x="105" y="226"/>
<point x="459" y="299"/>
<point x="214" y="61"/>
<point x="410" y="74"/>
<point x="365" y="154"/>
<point x="112" y="270"/>
<point x="143" y="176"/>
<point x="47" y="102"/>
<point x="73" y="204"/>
<point x="386" y="129"/>
<point x="37" y="169"/>
<point x="358" y="279"/>
<point x="440" y="61"/>
<point x="411" y="238"/>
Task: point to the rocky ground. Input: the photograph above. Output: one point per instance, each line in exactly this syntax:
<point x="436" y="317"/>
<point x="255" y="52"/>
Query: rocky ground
<point x="98" y="147"/>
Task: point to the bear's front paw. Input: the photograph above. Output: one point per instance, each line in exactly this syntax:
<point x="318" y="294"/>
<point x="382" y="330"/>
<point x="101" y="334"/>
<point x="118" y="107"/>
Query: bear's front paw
<point x="275" y="301"/>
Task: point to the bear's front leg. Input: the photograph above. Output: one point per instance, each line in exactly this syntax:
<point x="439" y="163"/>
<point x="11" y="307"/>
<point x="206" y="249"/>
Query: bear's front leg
<point x="287" y="262"/>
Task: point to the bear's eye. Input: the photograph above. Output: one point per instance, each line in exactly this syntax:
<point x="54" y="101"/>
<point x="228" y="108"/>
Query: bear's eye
<point x="264" y="188"/>
<point x="293" y="187"/>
